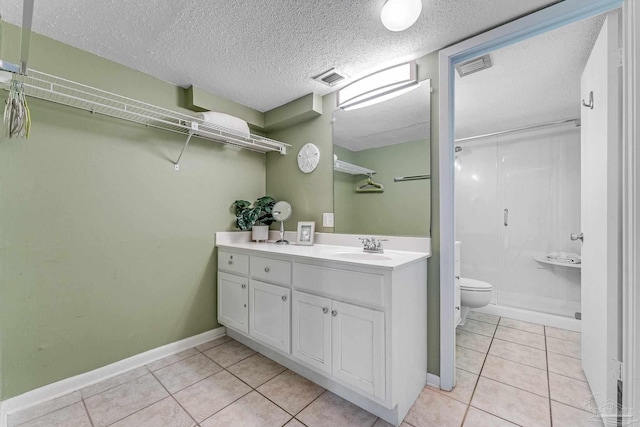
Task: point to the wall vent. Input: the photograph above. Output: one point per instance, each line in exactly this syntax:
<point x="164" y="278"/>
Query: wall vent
<point x="330" y="77"/>
<point x="474" y="65"/>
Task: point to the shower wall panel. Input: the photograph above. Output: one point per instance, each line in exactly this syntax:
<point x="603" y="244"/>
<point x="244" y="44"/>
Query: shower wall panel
<point x="535" y="177"/>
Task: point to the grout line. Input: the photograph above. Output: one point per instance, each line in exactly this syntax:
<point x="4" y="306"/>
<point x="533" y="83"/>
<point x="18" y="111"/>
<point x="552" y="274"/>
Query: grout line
<point x="174" y="399"/>
<point x="87" y="410"/>
<point x="466" y="412"/>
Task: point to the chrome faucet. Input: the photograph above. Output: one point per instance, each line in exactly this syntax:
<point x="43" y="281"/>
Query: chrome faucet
<point x="373" y="245"/>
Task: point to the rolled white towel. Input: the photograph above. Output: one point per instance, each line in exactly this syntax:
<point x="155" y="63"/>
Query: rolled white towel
<point x="226" y="121"/>
<point x="565" y="257"/>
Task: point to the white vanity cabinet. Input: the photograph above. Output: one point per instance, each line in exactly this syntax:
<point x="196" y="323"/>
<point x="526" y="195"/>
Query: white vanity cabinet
<point x="358" y="329"/>
<point x="270" y="314"/>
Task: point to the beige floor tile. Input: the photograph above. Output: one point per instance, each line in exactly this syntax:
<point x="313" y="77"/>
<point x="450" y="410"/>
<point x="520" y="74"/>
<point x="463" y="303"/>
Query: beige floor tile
<point x="113" y="382"/>
<point x="564" y="347"/>
<point x="252" y="410"/>
<point x="477" y="418"/>
<point x="43" y="409"/>
<point x="121" y="401"/>
<point x="477" y="327"/>
<point x="186" y="372"/>
<point x="523" y="326"/>
<point x="70" y="416"/>
<point x="562" y="334"/>
<point x="481" y="317"/>
<point x="331" y="410"/>
<point x="229" y="353"/>
<point x="294" y="423"/>
<point x="165" y="413"/>
<point x="520" y="337"/>
<point x="435" y="409"/>
<point x="469" y="360"/>
<point x="290" y="391"/>
<point x="519" y="353"/>
<point x="565" y="365"/>
<point x="517" y="375"/>
<point x="381" y="423"/>
<point x="568" y="416"/>
<point x="169" y="360"/>
<point x="213" y="343"/>
<point x="472" y="341"/>
<point x="511" y="404"/>
<point x="210" y="395"/>
<point x="256" y="370"/>
<point x="569" y="391"/>
<point x="465" y="384"/>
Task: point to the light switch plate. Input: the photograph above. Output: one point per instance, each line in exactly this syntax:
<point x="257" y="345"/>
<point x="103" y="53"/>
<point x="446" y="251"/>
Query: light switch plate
<point x="327" y="219"/>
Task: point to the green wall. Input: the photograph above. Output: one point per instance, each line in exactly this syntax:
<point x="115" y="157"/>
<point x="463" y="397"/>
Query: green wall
<point x="309" y="194"/>
<point x="105" y="250"/>
<point x="404" y="207"/>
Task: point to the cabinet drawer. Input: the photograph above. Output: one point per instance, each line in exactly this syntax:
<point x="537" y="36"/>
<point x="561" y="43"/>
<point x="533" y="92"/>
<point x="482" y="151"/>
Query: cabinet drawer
<point x="233" y="263"/>
<point x="271" y="270"/>
<point x="341" y="284"/>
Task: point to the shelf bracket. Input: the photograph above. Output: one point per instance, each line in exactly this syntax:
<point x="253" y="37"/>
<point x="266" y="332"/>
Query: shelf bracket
<point x="194" y="129"/>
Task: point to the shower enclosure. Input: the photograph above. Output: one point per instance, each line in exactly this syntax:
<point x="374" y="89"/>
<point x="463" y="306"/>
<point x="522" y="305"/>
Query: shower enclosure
<point x="517" y="199"/>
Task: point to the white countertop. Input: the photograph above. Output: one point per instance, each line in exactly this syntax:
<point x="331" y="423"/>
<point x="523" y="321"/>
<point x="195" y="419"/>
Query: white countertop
<point x="390" y="259"/>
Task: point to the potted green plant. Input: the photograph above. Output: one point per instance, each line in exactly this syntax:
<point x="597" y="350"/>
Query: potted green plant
<point x="256" y="218"/>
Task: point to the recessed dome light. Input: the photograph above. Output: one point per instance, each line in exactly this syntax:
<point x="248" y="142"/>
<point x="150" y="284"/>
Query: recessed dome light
<point x="398" y="15"/>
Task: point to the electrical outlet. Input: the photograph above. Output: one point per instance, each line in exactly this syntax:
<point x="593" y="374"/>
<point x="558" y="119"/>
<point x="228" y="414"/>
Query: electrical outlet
<point x="327" y="219"/>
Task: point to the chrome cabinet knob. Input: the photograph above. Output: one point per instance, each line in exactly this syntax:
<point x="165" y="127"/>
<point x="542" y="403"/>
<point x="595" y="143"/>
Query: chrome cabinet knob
<point x="458" y="308"/>
<point x="266" y="269"/>
<point x="284" y="297"/>
<point x="325" y="310"/>
<point x="575" y="236"/>
<point x="458" y="277"/>
<point x="243" y="286"/>
<point x="334" y="313"/>
<point x="230" y="262"/>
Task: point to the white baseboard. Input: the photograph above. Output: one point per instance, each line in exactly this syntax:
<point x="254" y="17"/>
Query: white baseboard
<point x="433" y="380"/>
<point x="78" y="382"/>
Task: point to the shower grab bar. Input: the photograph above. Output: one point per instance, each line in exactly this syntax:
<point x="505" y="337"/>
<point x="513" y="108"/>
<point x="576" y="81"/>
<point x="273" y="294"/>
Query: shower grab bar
<point x="506" y="217"/>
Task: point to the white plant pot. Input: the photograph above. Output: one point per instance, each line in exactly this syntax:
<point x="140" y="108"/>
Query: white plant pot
<point x="260" y="232"/>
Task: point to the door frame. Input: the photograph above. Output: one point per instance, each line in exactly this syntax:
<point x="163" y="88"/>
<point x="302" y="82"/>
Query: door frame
<point x="630" y="206"/>
<point x="547" y="19"/>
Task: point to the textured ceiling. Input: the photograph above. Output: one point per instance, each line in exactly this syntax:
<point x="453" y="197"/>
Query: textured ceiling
<point x="531" y="82"/>
<point x="261" y="53"/>
<point x="398" y="120"/>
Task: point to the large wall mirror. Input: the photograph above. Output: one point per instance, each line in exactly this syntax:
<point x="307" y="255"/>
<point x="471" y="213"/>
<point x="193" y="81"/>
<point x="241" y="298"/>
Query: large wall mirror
<point x="388" y="142"/>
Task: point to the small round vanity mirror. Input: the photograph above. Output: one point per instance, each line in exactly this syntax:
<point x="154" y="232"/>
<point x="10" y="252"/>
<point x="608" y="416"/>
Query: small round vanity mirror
<point x="281" y="212"/>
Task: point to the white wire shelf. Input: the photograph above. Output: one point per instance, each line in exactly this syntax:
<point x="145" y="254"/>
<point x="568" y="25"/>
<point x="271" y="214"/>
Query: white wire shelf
<point x="66" y="92"/>
<point x="342" y="166"/>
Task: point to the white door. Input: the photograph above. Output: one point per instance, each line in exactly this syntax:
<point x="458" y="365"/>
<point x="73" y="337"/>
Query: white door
<point x="311" y="330"/>
<point x="270" y="314"/>
<point x="357" y="337"/>
<point x="600" y="213"/>
<point x="232" y="302"/>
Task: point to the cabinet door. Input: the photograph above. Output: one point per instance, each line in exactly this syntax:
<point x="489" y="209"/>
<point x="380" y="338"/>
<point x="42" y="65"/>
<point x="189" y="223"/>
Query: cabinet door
<point x="270" y="314"/>
<point x="312" y="330"/>
<point x="358" y="347"/>
<point x="233" y="296"/>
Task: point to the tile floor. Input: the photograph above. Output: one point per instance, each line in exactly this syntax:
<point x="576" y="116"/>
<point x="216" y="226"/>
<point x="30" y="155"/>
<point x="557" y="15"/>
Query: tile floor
<point x="509" y="373"/>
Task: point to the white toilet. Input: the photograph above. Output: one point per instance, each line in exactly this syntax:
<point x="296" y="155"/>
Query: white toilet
<point x="473" y="294"/>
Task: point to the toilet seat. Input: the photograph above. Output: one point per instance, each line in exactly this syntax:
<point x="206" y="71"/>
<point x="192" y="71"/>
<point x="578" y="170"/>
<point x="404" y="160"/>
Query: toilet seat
<point x="474" y="285"/>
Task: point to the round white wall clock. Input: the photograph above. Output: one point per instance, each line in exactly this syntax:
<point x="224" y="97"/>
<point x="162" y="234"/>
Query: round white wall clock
<point x="308" y="158"/>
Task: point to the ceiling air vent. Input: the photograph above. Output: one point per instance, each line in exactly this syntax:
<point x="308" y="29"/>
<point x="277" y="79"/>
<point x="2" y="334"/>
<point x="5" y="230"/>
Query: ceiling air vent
<point x="474" y="65"/>
<point x="330" y="77"/>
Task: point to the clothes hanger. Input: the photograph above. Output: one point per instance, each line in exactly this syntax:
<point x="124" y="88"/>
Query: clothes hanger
<point x="370" y="187"/>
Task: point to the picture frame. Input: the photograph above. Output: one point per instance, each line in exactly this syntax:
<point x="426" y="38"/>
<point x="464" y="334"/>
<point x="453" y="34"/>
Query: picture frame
<point x="306" y="233"/>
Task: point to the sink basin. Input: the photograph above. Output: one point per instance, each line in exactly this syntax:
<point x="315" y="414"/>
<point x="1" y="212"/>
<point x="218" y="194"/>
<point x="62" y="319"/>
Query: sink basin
<point x="361" y="256"/>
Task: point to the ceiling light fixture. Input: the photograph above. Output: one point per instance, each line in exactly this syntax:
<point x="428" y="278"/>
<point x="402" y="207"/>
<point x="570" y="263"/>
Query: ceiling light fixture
<point x="379" y="86"/>
<point x="398" y="15"/>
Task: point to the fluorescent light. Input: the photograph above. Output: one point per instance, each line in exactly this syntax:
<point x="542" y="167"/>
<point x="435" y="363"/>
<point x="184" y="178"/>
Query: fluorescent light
<point x="398" y="15"/>
<point x="380" y="86"/>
